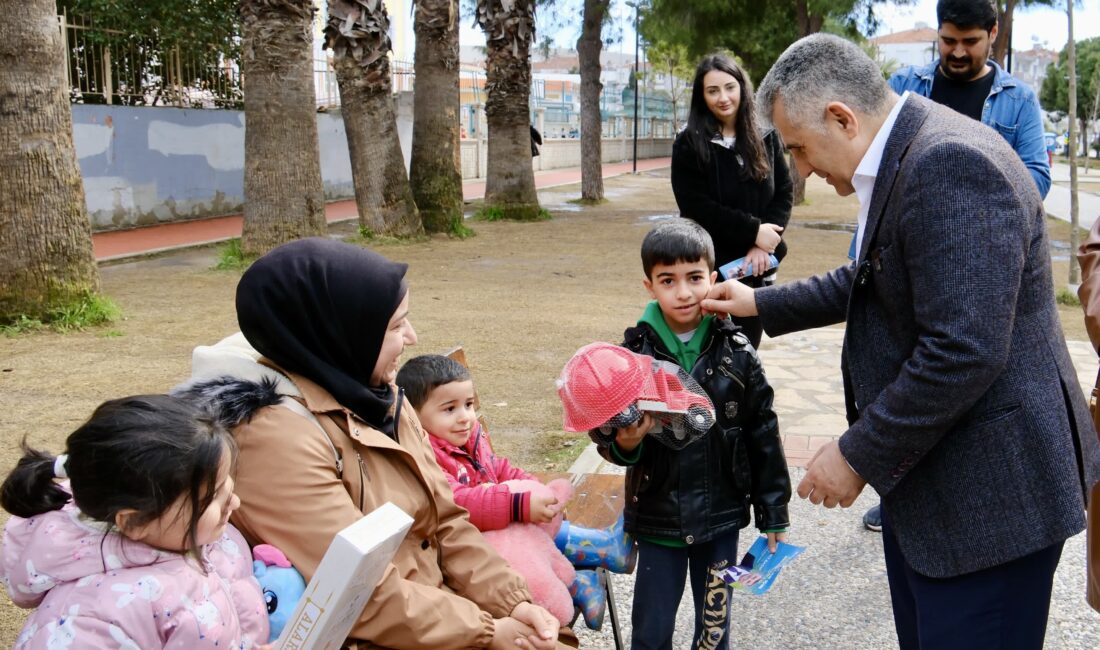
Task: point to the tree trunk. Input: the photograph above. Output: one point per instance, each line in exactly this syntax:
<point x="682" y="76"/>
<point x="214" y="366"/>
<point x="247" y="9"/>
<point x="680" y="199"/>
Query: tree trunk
<point x="436" y="167"/>
<point x="283" y="192"/>
<point x="358" y="33"/>
<point x="1004" y="33"/>
<point x="1071" y="66"/>
<point x="46" y="256"/>
<point x="510" y="179"/>
<point x="807" y="22"/>
<point x="382" y="192"/>
<point x="588" y="51"/>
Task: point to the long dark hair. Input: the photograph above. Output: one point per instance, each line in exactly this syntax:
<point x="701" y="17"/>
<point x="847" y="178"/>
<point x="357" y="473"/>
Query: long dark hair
<point x="138" y="453"/>
<point x="702" y="126"/>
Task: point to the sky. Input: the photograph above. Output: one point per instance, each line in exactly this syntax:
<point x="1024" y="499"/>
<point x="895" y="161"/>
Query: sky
<point x="1044" y="25"/>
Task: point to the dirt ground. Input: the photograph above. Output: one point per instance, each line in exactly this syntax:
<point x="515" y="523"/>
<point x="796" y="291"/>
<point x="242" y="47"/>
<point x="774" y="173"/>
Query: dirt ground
<point x="519" y="297"/>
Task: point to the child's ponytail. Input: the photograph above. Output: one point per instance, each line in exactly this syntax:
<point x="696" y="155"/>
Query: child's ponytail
<point x="30" y="488"/>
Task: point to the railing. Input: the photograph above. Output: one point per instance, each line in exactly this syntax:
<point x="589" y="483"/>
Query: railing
<point x="402" y="76"/>
<point x="111" y="67"/>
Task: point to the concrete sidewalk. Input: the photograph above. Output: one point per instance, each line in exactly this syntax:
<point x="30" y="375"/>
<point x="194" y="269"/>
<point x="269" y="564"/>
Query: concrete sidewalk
<point x="117" y="244"/>
<point x="1057" y="202"/>
<point x="836" y="595"/>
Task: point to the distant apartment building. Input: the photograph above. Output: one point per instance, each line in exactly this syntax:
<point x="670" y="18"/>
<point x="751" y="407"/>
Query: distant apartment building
<point x="1030" y="66"/>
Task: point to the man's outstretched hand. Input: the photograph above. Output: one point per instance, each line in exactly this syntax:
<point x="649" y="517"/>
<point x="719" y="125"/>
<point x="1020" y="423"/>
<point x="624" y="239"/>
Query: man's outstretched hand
<point x="730" y="297"/>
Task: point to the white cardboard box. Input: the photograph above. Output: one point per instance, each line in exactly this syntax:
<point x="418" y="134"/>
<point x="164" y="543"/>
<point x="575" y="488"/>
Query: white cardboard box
<point x="344" y="581"/>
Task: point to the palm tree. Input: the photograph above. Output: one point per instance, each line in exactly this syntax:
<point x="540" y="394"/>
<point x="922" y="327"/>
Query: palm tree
<point x="46" y="256"/>
<point x="509" y="27"/>
<point x="588" y="52"/>
<point x="283" y="192"/>
<point x="357" y="32"/>
<point x="435" y="170"/>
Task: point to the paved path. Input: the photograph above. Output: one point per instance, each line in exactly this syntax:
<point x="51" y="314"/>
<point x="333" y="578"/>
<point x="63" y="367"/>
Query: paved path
<point x="1057" y="202"/>
<point x="118" y="244"/>
<point x="836" y="595"/>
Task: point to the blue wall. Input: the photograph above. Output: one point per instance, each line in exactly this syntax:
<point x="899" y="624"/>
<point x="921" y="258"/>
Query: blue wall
<point x="148" y="165"/>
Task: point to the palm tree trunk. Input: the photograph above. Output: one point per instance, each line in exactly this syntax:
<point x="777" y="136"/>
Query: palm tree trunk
<point x="510" y="179"/>
<point x="283" y="191"/>
<point x="46" y="256"/>
<point x="357" y="32"/>
<point x="588" y="50"/>
<point x="1004" y="31"/>
<point x="436" y="167"/>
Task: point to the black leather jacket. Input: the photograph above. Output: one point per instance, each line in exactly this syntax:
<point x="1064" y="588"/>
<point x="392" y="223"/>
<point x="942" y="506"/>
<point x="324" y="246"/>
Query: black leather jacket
<point x="705" y="489"/>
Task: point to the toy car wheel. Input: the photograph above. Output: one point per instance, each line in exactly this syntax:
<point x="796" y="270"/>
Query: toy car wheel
<point x="699" y="418"/>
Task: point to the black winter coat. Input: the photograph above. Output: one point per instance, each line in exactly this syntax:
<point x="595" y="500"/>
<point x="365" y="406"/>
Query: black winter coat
<point x="706" y="489"/>
<point x="720" y="197"/>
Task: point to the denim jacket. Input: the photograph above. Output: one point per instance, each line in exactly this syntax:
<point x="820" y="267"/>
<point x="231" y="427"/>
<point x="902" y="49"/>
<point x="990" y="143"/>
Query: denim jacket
<point x="1011" y="109"/>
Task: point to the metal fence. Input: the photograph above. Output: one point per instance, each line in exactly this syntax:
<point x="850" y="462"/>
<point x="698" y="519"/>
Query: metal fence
<point x="111" y="67"/>
<point x="106" y="66"/>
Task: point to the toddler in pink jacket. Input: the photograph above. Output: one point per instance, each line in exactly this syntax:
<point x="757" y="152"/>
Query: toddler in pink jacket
<point x="124" y="541"/>
<point x="442" y="392"/>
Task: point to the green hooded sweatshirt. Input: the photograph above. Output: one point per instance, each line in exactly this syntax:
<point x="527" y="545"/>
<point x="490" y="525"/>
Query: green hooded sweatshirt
<point x="686" y="354"/>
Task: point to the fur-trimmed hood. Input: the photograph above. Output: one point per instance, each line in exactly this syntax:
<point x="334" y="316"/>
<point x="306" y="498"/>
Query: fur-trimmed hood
<point x="228" y="380"/>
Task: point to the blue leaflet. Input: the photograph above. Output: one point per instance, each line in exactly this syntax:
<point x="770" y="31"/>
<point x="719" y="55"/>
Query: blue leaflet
<point x="759" y="568"/>
<point x="734" y="270"/>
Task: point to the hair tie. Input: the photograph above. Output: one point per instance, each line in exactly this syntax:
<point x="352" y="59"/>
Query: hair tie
<point x="59" y="466"/>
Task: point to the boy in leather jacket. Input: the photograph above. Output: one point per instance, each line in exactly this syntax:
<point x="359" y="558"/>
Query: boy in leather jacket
<point x="686" y="507"/>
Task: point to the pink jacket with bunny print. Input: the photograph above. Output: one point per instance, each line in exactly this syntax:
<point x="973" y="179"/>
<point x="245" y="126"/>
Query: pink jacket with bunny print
<point x="476" y="474"/>
<point x="104" y="591"/>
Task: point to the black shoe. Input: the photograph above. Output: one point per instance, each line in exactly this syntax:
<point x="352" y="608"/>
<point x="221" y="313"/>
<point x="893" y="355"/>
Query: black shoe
<point x="872" y="519"/>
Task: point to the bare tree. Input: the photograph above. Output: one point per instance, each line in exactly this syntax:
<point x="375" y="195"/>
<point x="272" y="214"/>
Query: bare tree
<point x="1071" y="65"/>
<point x="46" y="256"/>
<point x="509" y="27"/>
<point x="436" y="167"/>
<point x="588" y="52"/>
<point x="358" y="33"/>
<point x="283" y="192"/>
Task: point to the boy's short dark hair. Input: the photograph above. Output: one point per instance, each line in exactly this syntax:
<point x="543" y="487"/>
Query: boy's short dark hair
<point x="427" y="372"/>
<point x="676" y="240"/>
<point x="966" y="14"/>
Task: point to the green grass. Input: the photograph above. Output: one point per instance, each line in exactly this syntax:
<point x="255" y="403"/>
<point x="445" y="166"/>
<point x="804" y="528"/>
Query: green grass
<point x="497" y="213"/>
<point x="232" y="258"/>
<point x="490" y="213"/>
<point x="89" y="310"/>
<point x="1067" y="297"/>
<point x="584" y="201"/>
<point x="367" y="236"/>
<point x="460" y="230"/>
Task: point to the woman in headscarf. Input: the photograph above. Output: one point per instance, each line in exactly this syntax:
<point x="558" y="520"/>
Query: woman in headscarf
<point x="325" y="437"/>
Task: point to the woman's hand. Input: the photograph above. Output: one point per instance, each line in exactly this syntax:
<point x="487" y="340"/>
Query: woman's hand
<point x="774" y="539"/>
<point x="509" y="634"/>
<point x="628" y="438"/>
<point x="543" y="508"/>
<point x="758" y="258"/>
<point x="544" y="627"/>
<point x="768" y="237"/>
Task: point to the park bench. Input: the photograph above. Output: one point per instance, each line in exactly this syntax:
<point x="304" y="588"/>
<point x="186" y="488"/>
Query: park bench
<point x="597" y="502"/>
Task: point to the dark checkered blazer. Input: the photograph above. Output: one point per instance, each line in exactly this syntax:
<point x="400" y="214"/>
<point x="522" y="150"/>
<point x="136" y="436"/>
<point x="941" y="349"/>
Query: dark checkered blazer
<point x="965" y="412"/>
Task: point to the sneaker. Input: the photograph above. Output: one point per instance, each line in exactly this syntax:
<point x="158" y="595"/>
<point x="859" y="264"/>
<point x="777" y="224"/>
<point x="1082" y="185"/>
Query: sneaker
<point x="872" y="519"/>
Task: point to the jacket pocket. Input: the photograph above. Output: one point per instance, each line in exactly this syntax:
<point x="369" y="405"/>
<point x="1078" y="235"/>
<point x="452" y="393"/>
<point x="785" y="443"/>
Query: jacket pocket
<point x="739" y="461"/>
<point x="1006" y="130"/>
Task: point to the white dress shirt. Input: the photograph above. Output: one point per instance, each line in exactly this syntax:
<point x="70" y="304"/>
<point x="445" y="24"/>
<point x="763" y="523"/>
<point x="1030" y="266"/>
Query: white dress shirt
<point x="863" y="181"/>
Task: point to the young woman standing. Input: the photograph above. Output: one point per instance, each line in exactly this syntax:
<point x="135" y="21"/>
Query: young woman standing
<point x="730" y="177"/>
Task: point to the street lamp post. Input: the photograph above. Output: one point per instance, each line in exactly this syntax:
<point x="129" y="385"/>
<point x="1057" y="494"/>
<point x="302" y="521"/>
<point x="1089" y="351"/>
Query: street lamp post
<point x="636" y="85"/>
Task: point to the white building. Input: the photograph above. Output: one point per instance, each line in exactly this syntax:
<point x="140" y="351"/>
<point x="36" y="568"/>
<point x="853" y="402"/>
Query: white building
<point x="915" y="46"/>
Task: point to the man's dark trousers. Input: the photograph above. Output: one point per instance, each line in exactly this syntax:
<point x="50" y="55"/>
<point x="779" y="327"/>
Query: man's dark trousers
<point x="1000" y="608"/>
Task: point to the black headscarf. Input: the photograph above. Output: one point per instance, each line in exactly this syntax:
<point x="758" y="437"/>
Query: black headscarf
<point x="320" y="308"/>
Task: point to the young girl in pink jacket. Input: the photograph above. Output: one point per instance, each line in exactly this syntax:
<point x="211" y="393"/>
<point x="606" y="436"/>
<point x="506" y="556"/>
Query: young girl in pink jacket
<point x="123" y="541"/>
